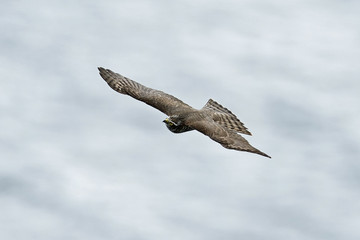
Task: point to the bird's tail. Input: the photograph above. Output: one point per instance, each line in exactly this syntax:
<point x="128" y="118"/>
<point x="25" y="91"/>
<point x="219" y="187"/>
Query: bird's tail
<point x="225" y="117"/>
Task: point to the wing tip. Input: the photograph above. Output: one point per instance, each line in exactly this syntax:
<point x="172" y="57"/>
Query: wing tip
<point x="261" y="153"/>
<point x="102" y="71"/>
<point x="257" y="151"/>
<point x="105" y="73"/>
<point x="265" y="155"/>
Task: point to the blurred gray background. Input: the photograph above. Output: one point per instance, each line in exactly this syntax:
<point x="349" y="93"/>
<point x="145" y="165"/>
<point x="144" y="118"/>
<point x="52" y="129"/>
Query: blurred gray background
<point x="80" y="161"/>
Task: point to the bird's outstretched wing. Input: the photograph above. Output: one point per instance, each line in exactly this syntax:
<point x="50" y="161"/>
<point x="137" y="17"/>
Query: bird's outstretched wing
<point x="226" y="137"/>
<point x="164" y="102"/>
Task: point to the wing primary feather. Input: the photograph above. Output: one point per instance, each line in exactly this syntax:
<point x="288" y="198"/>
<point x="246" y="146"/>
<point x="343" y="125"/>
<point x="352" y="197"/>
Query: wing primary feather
<point x="226" y="137"/>
<point x="164" y="102"/>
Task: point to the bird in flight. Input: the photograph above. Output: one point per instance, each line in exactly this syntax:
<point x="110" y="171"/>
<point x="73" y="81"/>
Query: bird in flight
<point x="213" y="120"/>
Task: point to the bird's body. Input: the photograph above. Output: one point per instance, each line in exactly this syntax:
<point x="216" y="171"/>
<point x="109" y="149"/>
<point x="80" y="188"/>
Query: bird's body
<point x="213" y="120"/>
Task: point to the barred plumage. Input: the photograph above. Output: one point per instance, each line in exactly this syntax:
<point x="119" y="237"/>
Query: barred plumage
<point x="225" y="117"/>
<point x="213" y="120"/>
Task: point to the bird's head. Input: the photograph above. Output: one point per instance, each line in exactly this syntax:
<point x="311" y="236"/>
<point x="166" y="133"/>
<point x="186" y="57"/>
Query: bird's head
<point x="171" y="123"/>
<point x="175" y="125"/>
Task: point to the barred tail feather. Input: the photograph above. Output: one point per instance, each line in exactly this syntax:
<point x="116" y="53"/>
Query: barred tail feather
<point x="225" y="117"/>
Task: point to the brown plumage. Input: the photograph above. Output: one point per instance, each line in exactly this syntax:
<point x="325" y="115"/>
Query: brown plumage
<point x="213" y="120"/>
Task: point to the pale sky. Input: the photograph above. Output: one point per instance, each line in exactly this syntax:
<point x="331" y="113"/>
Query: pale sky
<point x="80" y="161"/>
